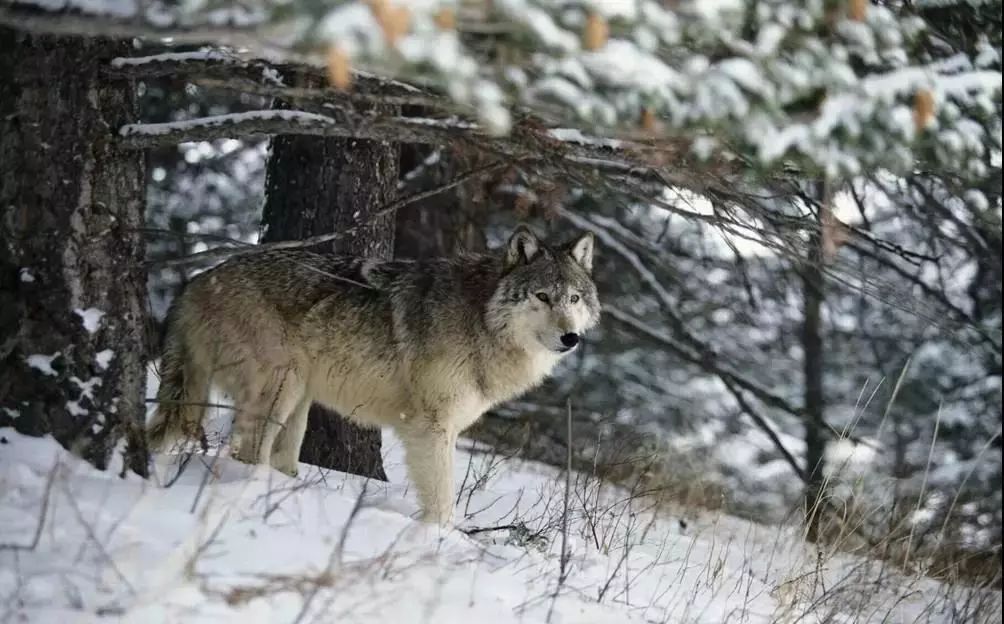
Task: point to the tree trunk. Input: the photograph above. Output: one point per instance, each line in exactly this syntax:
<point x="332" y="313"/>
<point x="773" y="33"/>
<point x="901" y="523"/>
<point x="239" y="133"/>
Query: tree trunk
<point x="316" y="186"/>
<point x="72" y="283"/>
<point x="812" y="366"/>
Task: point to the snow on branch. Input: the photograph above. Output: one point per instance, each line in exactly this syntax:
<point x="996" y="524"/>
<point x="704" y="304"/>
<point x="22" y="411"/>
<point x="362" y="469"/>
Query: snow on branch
<point x="171" y="59"/>
<point x="276" y="121"/>
<point x="250" y="123"/>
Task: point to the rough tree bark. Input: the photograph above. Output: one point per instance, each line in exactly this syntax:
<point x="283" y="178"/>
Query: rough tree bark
<point x="72" y="284"/>
<point x="316" y="186"/>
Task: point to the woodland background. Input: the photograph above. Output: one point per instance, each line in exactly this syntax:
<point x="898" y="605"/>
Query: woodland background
<point x="797" y="205"/>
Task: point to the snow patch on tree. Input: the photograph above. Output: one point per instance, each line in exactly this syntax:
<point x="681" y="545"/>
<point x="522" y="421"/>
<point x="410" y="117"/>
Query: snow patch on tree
<point x="43" y="363"/>
<point x="91" y="319"/>
<point x="103" y="359"/>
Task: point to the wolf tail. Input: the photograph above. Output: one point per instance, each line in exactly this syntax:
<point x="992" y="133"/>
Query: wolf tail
<point x="179" y="407"/>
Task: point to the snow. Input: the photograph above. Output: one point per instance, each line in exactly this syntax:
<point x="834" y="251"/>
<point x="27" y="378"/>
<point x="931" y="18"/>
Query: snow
<point x="91" y="318"/>
<point x="25" y="275"/>
<point x="86" y="387"/>
<point x="153" y="129"/>
<point x="75" y="409"/>
<point x="43" y="363"/>
<point x="451" y="123"/>
<point x="170" y="57"/>
<point x="574" y="135"/>
<point x="104" y="358"/>
<point x="226" y="542"/>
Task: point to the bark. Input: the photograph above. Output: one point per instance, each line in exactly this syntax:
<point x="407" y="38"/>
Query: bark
<point x="812" y="366"/>
<point x="316" y="186"/>
<point x="72" y="284"/>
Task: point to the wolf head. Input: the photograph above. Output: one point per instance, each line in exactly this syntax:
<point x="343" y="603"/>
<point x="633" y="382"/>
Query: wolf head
<point x="546" y="297"/>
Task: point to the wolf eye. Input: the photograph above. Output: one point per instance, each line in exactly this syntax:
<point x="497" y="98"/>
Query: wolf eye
<point x="543" y="297"/>
<point x="574" y="299"/>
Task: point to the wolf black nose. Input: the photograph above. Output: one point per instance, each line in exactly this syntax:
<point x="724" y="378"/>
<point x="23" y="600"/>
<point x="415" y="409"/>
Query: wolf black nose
<point x="570" y="339"/>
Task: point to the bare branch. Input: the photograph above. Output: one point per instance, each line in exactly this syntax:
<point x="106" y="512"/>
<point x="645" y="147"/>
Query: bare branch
<point x="733" y="382"/>
<point x="224" y="252"/>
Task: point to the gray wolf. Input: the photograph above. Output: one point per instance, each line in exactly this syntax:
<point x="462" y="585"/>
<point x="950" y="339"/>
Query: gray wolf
<point x="424" y="347"/>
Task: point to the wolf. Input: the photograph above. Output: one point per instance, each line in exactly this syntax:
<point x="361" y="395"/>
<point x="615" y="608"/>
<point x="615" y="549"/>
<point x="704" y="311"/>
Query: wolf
<point x="423" y="347"/>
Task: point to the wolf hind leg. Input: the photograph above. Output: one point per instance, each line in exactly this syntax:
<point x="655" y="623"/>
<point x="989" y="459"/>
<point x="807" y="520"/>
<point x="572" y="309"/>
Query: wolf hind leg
<point x="286" y="450"/>
<point x="429" y="450"/>
<point x="259" y="419"/>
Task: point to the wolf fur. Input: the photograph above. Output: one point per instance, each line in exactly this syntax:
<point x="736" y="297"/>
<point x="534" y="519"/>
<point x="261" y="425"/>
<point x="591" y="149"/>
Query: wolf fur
<point x="422" y="347"/>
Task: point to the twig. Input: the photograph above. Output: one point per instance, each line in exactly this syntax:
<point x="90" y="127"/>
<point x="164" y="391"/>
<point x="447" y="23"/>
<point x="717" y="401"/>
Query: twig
<point x="563" y="562"/>
<point x="501" y="527"/>
<point x="42" y="513"/>
<point x="92" y="536"/>
<point x="336" y="555"/>
<point x="205" y="480"/>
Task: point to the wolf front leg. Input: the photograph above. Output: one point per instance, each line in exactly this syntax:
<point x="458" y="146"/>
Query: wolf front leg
<point x="260" y="417"/>
<point x="286" y="450"/>
<point x="428" y="452"/>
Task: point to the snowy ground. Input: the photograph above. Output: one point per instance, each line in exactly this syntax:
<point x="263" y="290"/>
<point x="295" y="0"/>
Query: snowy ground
<point x="228" y="542"/>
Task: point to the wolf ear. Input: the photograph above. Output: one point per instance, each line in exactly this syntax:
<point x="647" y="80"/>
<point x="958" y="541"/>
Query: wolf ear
<point x="523" y="246"/>
<point x="582" y="251"/>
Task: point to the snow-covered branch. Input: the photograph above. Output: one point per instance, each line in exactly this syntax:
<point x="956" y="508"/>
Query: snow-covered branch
<point x="835" y="90"/>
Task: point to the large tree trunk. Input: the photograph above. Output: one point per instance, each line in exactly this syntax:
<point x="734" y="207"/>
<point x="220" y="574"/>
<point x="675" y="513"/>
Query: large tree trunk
<point x="72" y="284"/>
<point x="316" y="186"/>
